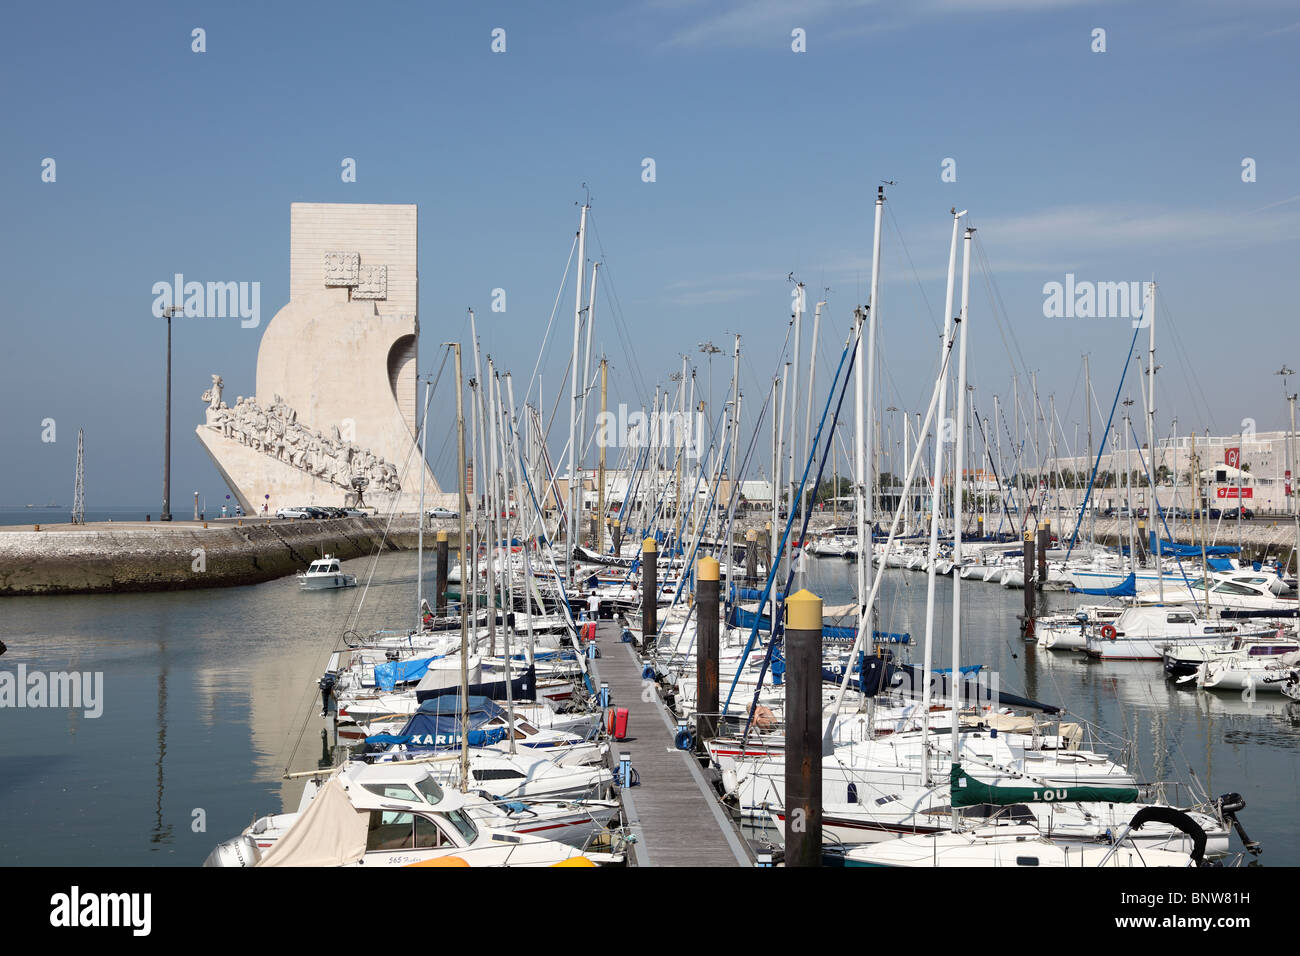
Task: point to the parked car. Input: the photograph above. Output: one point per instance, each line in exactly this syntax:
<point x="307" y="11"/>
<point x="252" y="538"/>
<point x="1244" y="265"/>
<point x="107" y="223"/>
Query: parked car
<point x="291" y="513"/>
<point x="1246" y="513"/>
<point x="355" y="513"/>
<point x="314" y="512"/>
<point x="442" y="513"/>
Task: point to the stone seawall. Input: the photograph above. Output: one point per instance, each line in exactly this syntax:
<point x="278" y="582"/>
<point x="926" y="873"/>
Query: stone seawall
<point x="155" y="556"/>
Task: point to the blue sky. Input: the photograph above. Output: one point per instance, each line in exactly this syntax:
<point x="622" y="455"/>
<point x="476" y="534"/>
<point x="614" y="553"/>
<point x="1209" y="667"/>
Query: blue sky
<point x="1115" y="166"/>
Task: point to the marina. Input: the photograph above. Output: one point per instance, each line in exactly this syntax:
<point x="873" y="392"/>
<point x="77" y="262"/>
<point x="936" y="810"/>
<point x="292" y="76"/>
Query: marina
<point x="717" y="446"/>
<point x="218" y="742"/>
<point x="616" y="665"/>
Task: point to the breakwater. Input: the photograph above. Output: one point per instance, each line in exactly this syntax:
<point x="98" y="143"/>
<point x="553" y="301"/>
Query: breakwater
<point x="112" y="557"/>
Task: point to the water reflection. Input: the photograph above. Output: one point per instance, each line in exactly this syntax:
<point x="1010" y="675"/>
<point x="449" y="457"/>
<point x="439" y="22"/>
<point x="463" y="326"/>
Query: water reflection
<point x="162" y="831"/>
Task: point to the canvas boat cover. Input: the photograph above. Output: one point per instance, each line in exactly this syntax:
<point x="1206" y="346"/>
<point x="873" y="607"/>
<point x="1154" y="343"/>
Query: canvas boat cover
<point x="330" y="832"/>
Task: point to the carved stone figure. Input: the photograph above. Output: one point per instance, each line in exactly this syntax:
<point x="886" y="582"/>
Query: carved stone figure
<point x="213" y="397"/>
<point x="276" y="431"/>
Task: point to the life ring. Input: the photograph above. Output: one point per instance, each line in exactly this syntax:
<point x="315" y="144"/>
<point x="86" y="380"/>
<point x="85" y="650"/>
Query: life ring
<point x="1108" y="631"/>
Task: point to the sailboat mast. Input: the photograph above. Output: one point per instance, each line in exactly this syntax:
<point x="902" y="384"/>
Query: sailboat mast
<point x="1087" y="402"/>
<point x="997" y="454"/>
<point x="860" y="474"/>
<point x="571" y="525"/>
<point x="867" y="429"/>
<point x="419" y="549"/>
<point x="937" y="479"/>
<point x="807" y="412"/>
<point x="907" y="456"/>
<point x="504" y="478"/>
<point x="464" y="619"/>
<point x="582" y="408"/>
<point x="1154" y="513"/>
<point x="600" y="481"/>
<point x="958" y="486"/>
<point x="796" y="506"/>
<point x="481" y="444"/>
<point x="679" y="451"/>
<point x="776" y="478"/>
<point x="492" y="491"/>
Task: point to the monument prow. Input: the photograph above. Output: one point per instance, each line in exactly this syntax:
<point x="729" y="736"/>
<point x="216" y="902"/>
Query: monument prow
<point x="333" y="421"/>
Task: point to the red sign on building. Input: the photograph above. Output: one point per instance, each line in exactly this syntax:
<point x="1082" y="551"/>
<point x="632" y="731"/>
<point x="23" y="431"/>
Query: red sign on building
<point x="1232" y="492"/>
<point x="1232" y="457"/>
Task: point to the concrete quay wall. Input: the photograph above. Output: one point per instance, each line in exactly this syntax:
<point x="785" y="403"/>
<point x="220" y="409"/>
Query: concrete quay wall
<point x="113" y="557"/>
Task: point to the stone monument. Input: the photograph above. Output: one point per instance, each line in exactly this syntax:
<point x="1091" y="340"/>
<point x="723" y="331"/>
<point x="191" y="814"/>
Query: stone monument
<point x="333" y="420"/>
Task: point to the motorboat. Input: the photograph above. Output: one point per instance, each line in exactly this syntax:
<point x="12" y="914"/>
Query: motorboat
<point x="390" y="815"/>
<point x="324" y="574"/>
<point x="1145" y="633"/>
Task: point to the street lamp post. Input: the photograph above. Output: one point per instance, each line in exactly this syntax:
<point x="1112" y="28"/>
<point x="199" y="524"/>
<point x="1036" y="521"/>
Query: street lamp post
<point x="167" y="421"/>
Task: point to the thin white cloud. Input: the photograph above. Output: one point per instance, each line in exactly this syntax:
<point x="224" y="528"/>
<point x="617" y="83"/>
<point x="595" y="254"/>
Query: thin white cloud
<point x="744" y="23"/>
<point x="1114" y="225"/>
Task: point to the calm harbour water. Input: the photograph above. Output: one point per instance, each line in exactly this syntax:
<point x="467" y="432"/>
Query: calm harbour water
<point x="210" y="695"/>
<point x="206" y="697"/>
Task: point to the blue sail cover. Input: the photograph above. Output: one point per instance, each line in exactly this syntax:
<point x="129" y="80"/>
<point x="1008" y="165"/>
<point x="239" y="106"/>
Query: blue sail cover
<point x="391" y="673"/>
<point x="739" y="617"/>
<point x="1191" y="550"/>
<point x="830" y="632"/>
<point x="521" y="688"/>
<point x="751" y="594"/>
<point x="1126" y="588"/>
<point x="436" y="725"/>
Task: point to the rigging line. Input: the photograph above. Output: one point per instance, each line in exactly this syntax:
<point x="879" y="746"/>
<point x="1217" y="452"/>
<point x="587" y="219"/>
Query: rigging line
<point x="616" y="307"/>
<point x="1087" y="495"/>
<point x="1159" y="511"/>
<point x="554" y="309"/>
<point x="1180" y="349"/>
<point x="898" y="233"/>
<point x="850" y="352"/>
<point x="997" y="308"/>
<point x="354" y="617"/>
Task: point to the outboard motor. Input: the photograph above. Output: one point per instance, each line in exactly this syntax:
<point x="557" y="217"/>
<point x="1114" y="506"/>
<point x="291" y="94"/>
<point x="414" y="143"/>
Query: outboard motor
<point x="326" y="685"/>
<point x="1228" y="806"/>
<point x="240" y="851"/>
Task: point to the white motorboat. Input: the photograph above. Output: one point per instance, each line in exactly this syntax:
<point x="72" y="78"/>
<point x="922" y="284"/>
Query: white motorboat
<point x="387" y="815"/>
<point x="324" y="574"/>
<point x="1233" y="593"/>
<point x="1145" y="633"/>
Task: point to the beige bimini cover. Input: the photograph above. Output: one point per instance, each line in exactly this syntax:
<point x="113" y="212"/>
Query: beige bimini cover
<point x="835" y="612"/>
<point x="330" y="832"/>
